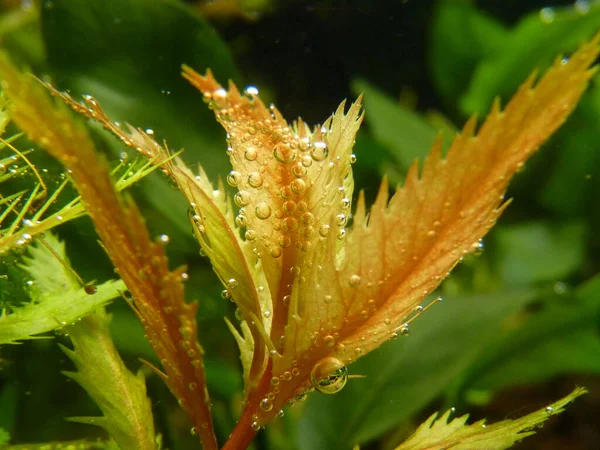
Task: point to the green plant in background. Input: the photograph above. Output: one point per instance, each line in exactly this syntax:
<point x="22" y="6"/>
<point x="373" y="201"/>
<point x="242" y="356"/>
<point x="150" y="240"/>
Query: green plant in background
<point x="309" y="301"/>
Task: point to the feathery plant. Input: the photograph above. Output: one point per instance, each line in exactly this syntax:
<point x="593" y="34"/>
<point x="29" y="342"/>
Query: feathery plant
<point x="317" y="283"/>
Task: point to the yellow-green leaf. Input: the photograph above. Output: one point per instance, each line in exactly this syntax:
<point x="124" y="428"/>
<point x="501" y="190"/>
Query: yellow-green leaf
<point x="439" y="434"/>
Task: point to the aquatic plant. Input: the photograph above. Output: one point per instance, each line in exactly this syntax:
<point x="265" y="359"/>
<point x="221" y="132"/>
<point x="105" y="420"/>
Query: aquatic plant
<point x="316" y="285"/>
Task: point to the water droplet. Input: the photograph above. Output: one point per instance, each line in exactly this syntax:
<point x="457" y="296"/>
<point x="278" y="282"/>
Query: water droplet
<point x="225" y="294"/>
<point x="255" y="426"/>
<point x="275" y="252"/>
<point x="263" y="211"/>
<point x="193" y="431"/>
<point x="354" y="280"/>
<point x="319" y="151"/>
<point x="295" y="371"/>
<point x="341" y="220"/>
<point x="324" y="230"/>
<point x="251" y="90"/>
<point x="280" y="413"/>
<point x="266" y="404"/>
<point x="164" y="239"/>
<point x="287" y="375"/>
<point x="267" y="314"/>
<point x="352" y="158"/>
<point x="549" y="409"/>
<point x="275" y="381"/>
<point x="250" y="235"/>
<point x="329" y="375"/>
<point x="192" y="386"/>
<point x="232" y="283"/>
<point x="255" y="180"/>
<point x="242" y="198"/>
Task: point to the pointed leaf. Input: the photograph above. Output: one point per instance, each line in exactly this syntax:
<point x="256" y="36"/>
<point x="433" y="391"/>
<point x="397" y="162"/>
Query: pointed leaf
<point x="440" y="434"/>
<point x="127" y="411"/>
<point x="57" y="297"/>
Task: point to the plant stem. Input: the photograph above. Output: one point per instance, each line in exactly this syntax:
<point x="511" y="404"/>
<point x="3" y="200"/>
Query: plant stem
<point x="243" y="433"/>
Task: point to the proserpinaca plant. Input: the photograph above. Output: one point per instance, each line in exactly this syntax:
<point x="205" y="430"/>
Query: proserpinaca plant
<point x="317" y="286"/>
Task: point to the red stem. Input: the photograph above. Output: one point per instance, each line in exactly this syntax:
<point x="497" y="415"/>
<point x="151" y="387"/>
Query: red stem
<point x="243" y="433"/>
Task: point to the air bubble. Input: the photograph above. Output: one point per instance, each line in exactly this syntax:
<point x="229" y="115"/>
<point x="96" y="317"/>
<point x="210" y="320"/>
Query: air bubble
<point x="404" y="330"/>
<point x="547" y="15"/>
<point x="255" y="180"/>
<point x="329" y="375"/>
<point x="250" y="154"/>
<point x="242" y="198"/>
<point x="266" y="404"/>
<point x="290" y="224"/>
<point x="289" y="207"/>
<point x="283" y="153"/>
<point x="298" y="186"/>
<point x="298" y="170"/>
<point x="354" y="280"/>
<point x="263" y="211"/>
<point x="324" y="230"/>
<point x="234" y="178"/>
<point x="284" y="241"/>
<point x="319" y="151"/>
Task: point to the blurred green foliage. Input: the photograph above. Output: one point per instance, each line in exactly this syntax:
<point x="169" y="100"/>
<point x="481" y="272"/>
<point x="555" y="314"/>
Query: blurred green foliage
<point x="525" y="311"/>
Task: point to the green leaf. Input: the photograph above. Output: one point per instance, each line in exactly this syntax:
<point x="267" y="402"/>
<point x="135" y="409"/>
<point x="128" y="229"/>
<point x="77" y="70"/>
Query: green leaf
<point x="403" y="376"/>
<point x="128" y="55"/>
<point x="578" y="162"/>
<point x="65" y="445"/>
<point x="4" y="436"/>
<point x="562" y="338"/>
<point x="532" y="44"/>
<point x="57" y="297"/>
<point x="538" y="251"/>
<point x="461" y="36"/>
<point x="127" y="411"/>
<point x="440" y="434"/>
<point x="403" y="132"/>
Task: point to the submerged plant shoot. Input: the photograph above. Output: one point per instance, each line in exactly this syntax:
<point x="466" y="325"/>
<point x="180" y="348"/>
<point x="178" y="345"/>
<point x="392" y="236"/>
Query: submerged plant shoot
<point x="353" y="296"/>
